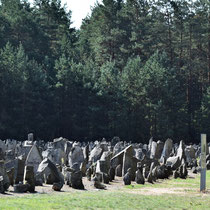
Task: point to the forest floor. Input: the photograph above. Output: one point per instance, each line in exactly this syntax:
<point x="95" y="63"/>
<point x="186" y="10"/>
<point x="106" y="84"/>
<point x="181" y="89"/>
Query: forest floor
<point x="164" y="194"/>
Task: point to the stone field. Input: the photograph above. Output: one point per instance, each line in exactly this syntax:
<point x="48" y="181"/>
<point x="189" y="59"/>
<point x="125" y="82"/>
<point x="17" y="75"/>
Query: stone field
<point x="61" y="165"/>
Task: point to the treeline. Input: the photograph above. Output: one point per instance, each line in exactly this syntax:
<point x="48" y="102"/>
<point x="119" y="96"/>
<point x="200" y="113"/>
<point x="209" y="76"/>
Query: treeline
<point x="135" y="69"/>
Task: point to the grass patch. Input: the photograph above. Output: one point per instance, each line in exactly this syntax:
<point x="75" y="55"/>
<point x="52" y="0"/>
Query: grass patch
<point x="104" y="200"/>
<point x="193" y="183"/>
<point x="125" y="199"/>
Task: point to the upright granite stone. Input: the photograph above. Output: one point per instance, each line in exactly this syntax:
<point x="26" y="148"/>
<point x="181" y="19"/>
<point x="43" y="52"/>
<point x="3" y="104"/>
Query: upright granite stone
<point x="5" y="183"/>
<point x="34" y="158"/>
<point x="2" y="146"/>
<point x="129" y="161"/>
<point x="59" y="143"/>
<point x="153" y="149"/>
<point x="166" y="150"/>
<point x="95" y="154"/>
<point x="102" y="166"/>
<point x="50" y="172"/>
<point x="159" y="149"/>
<point x="76" y="180"/>
<point x="180" y="151"/>
<point x="118" y="170"/>
<point x="127" y="177"/>
<point x="76" y="156"/>
<point x="30" y="137"/>
<point x="139" y="179"/>
<point x="118" y="148"/>
<point x="190" y="153"/>
<point x="29" y="178"/>
<point x="19" y="172"/>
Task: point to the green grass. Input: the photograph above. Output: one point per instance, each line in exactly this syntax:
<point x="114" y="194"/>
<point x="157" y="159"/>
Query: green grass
<point x="175" y="183"/>
<point x="105" y="200"/>
<point x="127" y="198"/>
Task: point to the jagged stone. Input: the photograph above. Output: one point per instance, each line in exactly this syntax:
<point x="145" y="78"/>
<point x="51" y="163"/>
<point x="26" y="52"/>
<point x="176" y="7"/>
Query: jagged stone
<point x="21" y="188"/>
<point x="76" y="180"/>
<point x="29" y="178"/>
<point x="118" y="170"/>
<point x="88" y="174"/>
<point x="111" y="174"/>
<point x="127" y="177"/>
<point x="98" y="184"/>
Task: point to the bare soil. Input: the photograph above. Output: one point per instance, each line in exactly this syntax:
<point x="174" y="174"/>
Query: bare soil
<point x="116" y="185"/>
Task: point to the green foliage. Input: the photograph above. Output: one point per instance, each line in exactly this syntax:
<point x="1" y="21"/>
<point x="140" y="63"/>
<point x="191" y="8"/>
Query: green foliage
<point x="134" y="69"/>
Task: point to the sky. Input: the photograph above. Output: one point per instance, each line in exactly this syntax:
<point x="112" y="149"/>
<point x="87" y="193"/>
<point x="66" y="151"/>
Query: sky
<point x="80" y="9"/>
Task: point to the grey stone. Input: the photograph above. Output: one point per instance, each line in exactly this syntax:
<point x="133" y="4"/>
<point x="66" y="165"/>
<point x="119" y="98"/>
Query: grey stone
<point x="95" y="154"/>
<point x="118" y="170"/>
<point x="174" y="162"/>
<point x="111" y="174"/>
<point x="76" y="156"/>
<point x="21" y="188"/>
<point x="29" y="178"/>
<point x="50" y="172"/>
<point x="139" y="179"/>
<point x="98" y="184"/>
<point x="4" y="178"/>
<point x="30" y="137"/>
<point x="166" y="149"/>
<point x="76" y="180"/>
<point x="153" y="149"/>
<point x="34" y="158"/>
<point x="159" y="149"/>
<point x="57" y="186"/>
<point x="102" y="166"/>
<point x="88" y="174"/>
<point x="127" y="177"/>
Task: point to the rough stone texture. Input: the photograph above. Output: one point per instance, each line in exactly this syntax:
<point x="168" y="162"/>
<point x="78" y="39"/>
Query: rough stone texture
<point x="57" y="186"/>
<point x="2" y="146"/>
<point x="129" y="161"/>
<point x="140" y="153"/>
<point x="111" y="174"/>
<point x="180" y="151"/>
<point x="166" y="149"/>
<point x="34" y="158"/>
<point x="153" y="149"/>
<point x="95" y="154"/>
<point x="76" y="156"/>
<point x="19" y="172"/>
<point x="174" y="162"/>
<point x="50" y="172"/>
<point x="102" y="177"/>
<point x="30" y="137"/>
<point x="190" y="153"/>
<point x="21" y="188"/>
<point x="127" y="177"/>
<point x="118" y="170"/>
<point x="159" y="149"/>
<point x="59" y="143"/>
<point x="102" y="166"/>
<point x="98" y="184"/>
<point x="118" y="148"/>
<point x="88" y="174"/>
<point x="76" y="180"/>
<point x="11" y="175"/>
<point x="139" y="179"/>
<point x="4" y="183"/>
<point x="29" y="178"/>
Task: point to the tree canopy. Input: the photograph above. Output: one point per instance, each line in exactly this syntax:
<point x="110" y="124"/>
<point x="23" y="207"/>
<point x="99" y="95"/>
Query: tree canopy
<point x="134" y="69"/>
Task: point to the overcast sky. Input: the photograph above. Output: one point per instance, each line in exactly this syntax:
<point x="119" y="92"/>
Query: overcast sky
<point x="79" y="8"/>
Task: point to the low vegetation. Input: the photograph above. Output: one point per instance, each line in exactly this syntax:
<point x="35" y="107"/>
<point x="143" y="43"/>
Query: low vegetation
<point x="129" y="197"/>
